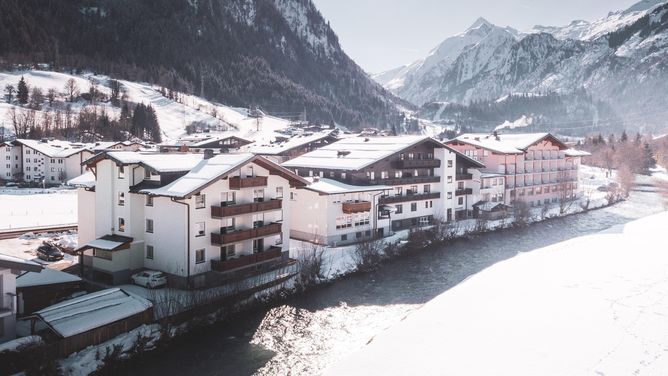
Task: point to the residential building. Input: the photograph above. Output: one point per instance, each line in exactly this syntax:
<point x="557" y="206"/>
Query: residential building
<point x="200" y="219"/>
<point x="535" y="167"/>
<point x="286" y="147"/>
<point x="197" y="143"/>
<point x="10" y="267"/>
<point x="52" y="161"/>
<point x="10" y="161"/>
<point x="420" y="171"/>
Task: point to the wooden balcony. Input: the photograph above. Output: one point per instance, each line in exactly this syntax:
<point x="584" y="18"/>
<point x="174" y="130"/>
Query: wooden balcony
<point x="396" y="181"/>
<point x="353" y="207"/>
<point x="223" y="211"/>
<point x="272" y="253"/>
<point x="219" y="239"/>
<point x="237" y="182"/>
<point x="417" y="163"/>
<point x="464" y="177"/>
<point x="464" y="192"/>
<point x="412" y="197"/>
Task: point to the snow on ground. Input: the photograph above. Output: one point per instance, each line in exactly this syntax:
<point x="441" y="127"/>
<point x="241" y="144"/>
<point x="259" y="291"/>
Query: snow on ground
<point x="34" y="207"/>
<point x="26" y="246"/>
<point x="590" y="305"/>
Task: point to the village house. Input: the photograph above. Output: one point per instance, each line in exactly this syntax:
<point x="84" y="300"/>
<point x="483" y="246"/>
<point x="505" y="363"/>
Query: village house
<point x="417" y="175"/>
<point x="51" y="161"/>
<point x="10" y="161"/>
<point x="200" y="218"/>
<point x="286" y="147"/>
<point x="10" y="267"/>
<point x="534" y="168"/>
<point x="197" y="143"/>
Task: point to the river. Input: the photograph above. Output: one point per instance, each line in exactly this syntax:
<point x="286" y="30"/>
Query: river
<point x="305" y="334"/>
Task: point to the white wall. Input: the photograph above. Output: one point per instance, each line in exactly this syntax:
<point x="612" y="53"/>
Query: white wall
<point x="7" y="286"/>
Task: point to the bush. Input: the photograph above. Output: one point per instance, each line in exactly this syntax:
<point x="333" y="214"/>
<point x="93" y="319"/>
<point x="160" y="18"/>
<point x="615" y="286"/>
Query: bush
<point x="310" y="265"/>
<point x="368" y="255"/>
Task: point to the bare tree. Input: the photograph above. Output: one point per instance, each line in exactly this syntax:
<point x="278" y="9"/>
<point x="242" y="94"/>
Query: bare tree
<point x="310" y="262"/>
<point x="22" y="121"/>
<point x="36" y="98"/>
<point x="10" y="89"/>
<point x="626" y="178"/>
<point x="521" y="213"/>
<point x="367" y="255"/>
<point x="51" y="96"/>
<point x="72" y="89"/>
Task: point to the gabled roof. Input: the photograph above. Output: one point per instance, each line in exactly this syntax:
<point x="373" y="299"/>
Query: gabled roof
<point x="292" y="143"/>
<point x="159" y="162"/>
<point x="11" y="262"/>
<point x="576" y="153"/>
<point x="199" y="140"/>
<point x="512" y="143"/>
<point x="55" y="148"/>
<point x="356" y="153"/>
<point x="208" y="171"/>
<point x="108" y="243"/>
<point x="46" y="277"/>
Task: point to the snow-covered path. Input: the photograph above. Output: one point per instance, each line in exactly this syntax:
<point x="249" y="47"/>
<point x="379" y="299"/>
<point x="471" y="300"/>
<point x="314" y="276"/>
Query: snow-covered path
<point x="593" y="305"/>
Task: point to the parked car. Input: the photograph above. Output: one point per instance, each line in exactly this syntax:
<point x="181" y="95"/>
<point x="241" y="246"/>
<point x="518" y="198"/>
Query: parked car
<point x="49" y="252"/>
<point x="150" y="279"/>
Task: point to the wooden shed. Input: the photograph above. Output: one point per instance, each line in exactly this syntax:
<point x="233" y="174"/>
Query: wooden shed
<point x="39" y="290"/>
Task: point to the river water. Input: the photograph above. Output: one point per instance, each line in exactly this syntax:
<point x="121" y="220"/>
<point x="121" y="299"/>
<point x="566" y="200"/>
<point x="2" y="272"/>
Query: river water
<point x="305" y="334"/>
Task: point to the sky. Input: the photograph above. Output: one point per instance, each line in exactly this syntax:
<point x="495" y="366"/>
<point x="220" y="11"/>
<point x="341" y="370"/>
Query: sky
<point x="384" y="34"/>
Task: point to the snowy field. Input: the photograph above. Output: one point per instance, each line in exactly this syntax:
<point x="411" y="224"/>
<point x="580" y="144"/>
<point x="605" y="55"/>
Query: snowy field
<point x="594" y="305"/>
<point x="35" y="207"/>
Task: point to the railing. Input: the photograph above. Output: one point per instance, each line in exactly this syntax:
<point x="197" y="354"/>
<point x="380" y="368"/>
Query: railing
<point x="417" y="163"/>
<point x="240" y="209"/>
<point x="463" y="192"/>
<point x="246" y="260"/>
<point x="396" y="181"/>
<point x="464" y="177"/>
<point x="237" y="182"/>
<point x="353" y="207"/>
<point x="218" y="239"/>
<point x="413" y="197"/>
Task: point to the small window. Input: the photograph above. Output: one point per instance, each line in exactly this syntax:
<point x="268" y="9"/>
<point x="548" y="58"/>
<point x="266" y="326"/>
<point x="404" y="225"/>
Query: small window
<point x="426" y="204"/>
<point x="149" y="225"/>
<point x="343" y="175"/>
<point x="449" y="179"/>
<point x="200" y="256"/>
<point x="121" y="172"/>
<point x="121" y="224"/>
<point x="279" y="192"/>
<point x="358" y="235"/>
<point x="200" y="201"/>
<point x="460" y="201"/>
<point x="400" y="209"/>
<point x="121" y="198"/>
<point x="426" y="188"/>
<point x="200" y="229"/>
<point x="149" y="252"/>
<point x="149" y="200"/>
<point x="450" y="163"/>
<point x="344" y="237"/>
<point x="414" y="206"/>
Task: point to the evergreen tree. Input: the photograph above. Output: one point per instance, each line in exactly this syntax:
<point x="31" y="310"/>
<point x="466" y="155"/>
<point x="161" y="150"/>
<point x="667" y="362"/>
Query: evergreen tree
<point x="624" y="137"/>
<point x="22" y="91"/>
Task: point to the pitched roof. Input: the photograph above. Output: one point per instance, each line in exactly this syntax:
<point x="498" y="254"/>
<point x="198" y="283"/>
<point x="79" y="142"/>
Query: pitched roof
<point x="292" y="143"/>
<point x="55" y="148"/>
<point x="512" y="143"/>
<point x="576" y="153"/>
<point x="160" y="162"/>
<point x="331" y="187"/>
<point x="356" y="153"/>
<point x="207" y="171"/>
<point x="87" y="180"/>
<point x="11" y="262"/>
<point x="46" y="277"/>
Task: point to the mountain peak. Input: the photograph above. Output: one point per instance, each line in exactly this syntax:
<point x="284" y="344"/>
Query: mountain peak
<point x="479" y="22"/>
<point x="644" y="5"/>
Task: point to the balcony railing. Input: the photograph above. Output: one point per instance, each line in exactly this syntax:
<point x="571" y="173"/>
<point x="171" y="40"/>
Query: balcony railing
<point x="246" y="260"/>
<point x="223" y="210"/>
<point x="464" y="177"/>
<point x="417" y="163"/>
<point x="353" y="207"/>
<point x="222" y="238"/>
<point x="411" y="197"/>
<point x="237" y="182"/>
<point x="396" y="181"/>
<point x="463" y="192"/>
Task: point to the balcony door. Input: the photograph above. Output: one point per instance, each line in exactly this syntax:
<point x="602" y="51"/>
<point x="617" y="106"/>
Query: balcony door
<point x="258" y="220"/>
<point x="228" y="198"/>
<point x="258" y="245"/>
<point x="258" y="195"/>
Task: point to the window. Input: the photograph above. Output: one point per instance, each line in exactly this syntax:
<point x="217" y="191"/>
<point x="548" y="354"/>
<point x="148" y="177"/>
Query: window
<point x="101" y="253"/>
<point x="358" y="235"/>
<point x="424" y="221"/>
<point x="200" y="256"/>
<point x="343" y="175"/>
<point x="400" y="209"/>
<point x="413" y="190"/>
<point x="279" y="192"/>
<point x="397" y="174"/>
<point x="121" y="224"/>
<point x="460" y="201"/>
<point x="449" y="163"/>
<point x="27" y="151"/>
<point x="147" y="173"/>
<point x="28" y="168"/>
<point x="258" y="245"/>
<point x="293" y="195"/>
<point x="384" y="174"/>
<point x="344" y="237"/>
<point x="200" y="201"/>
<point x="149" y="252"/>
<point x="449" y="179"/>
<point x="258" y="195"/>
<point x="426" y="204"/>
<point x="149" y="225"/>
<point x="398" y="191"/>
<point x="402" y="156"/>
<point x="228" y="251"/>
<point x="60" y="161"/>
<point x="121" y="172"/>
<point x="426" y="188"/>
<point x="200" y="229"/>
<point x="149" y="200"/>
<point x="414" y="206"/>
<point x="449" y="195"/>
<point x="228" y="198"/>
<point x="411" y="156"/>
<point x="121" y="198"/>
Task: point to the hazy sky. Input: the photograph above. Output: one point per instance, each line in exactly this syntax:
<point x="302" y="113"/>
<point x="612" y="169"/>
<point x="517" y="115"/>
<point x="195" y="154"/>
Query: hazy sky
<point x="384" y="34"/>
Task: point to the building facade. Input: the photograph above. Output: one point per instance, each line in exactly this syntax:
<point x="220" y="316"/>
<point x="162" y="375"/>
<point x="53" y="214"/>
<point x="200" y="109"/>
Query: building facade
<point x="51" y="161"/>
<point x="10" y="267"/>
<point x="10" y="161"/>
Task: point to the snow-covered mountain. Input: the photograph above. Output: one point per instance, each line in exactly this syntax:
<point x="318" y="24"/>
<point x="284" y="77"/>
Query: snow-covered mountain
<point x="621" y="59"/>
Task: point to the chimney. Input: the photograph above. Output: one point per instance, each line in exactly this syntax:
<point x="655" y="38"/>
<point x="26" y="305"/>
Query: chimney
<point x="208" y="153"/>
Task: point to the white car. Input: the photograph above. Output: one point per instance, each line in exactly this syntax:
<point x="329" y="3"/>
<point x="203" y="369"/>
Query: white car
<point x="150" y="279"/>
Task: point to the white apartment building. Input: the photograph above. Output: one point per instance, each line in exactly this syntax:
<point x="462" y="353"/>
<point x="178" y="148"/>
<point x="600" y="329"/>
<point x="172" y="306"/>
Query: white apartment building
<point x="10" y="161"/>
<point x="201" y="220"/>
<point x="417" y="174"/>
<point x="10" y="267"/>
<point x="52" y="161"/>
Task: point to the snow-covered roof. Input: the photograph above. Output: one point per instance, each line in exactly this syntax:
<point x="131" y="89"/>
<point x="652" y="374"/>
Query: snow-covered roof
<point x="202" y="174"/>
<point x="331" y="187"/>
<point x="160" y="162"/>
<point x="291" y="143"/>
<point x="514" y="143"/>
<point x="46" y="277"/>
<point x="576" y="153"/>
<point x="107" y="243"/>
<point x="55" y="148"/>
<point x="355" y="153"/>
<point x="11" y="262"/>
<point x="87" y="179"/>
<point x="92" y="311"/>
<point x="488" y="206"/>
<point x="198" y="140"/>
